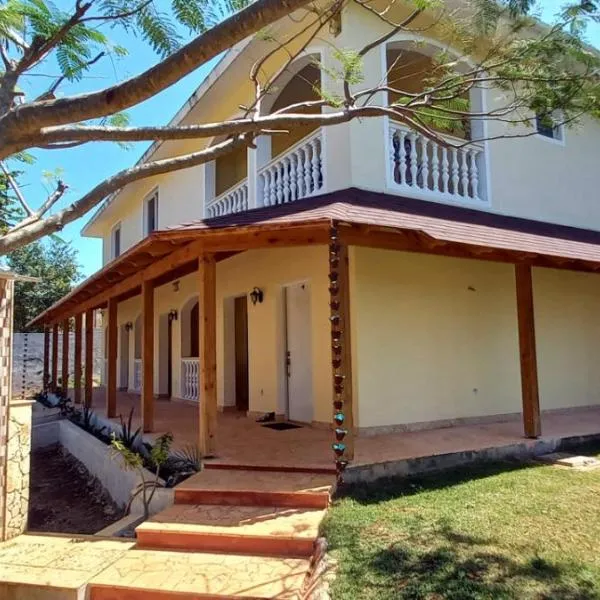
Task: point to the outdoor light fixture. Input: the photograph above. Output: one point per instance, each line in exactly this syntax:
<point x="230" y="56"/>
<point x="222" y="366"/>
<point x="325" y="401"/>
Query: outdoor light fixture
<point x="256" y="295"/>
<point x="128" y="326"/>
<point x="173" y="315"/>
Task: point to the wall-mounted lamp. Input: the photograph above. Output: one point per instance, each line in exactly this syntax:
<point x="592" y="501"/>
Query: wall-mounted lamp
<point x="128" y="326"/>
<point x="176" y="286"/>
<point x="256" y="295"/>
<point x="173" y="315"/>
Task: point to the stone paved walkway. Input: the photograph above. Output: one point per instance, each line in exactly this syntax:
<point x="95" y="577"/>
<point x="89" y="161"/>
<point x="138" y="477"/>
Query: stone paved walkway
<point x="251" y="548"/>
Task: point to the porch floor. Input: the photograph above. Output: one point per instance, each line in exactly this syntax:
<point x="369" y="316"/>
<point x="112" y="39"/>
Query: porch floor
<point x="242" y="441"/>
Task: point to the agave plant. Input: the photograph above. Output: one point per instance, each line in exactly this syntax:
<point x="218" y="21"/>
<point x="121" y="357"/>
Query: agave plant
<point x="128" y="436"/>
<point x="188" y="458"/>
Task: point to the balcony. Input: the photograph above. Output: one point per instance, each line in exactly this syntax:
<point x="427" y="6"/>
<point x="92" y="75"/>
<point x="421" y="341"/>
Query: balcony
<point x="417" y="167"/>
<point x="295" y="174"/>
<point x="423" y="168"/>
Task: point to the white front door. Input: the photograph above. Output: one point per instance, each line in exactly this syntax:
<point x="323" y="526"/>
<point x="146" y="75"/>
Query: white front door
<point x="299" y="357"/>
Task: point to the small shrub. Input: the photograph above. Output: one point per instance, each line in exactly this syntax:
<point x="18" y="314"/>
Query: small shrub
<point x="135" y="461"/>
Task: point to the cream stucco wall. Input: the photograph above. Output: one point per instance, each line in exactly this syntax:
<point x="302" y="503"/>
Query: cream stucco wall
<point x="435" y="338"/>
<point x="271" y="270"/>
<point x="568" y="337"/>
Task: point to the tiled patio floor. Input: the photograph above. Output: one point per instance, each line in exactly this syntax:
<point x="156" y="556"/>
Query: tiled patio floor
<point x="241" y="441"/>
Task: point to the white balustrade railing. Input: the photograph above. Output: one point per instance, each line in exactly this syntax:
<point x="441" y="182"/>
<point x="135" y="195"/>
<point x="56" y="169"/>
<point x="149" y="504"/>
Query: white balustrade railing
<point x="234" y="200"/>
<point x="294" y="175"/>
<point x="436" y="171"/>
<point x="137" y="374"/>
<point x="189" y="378"/>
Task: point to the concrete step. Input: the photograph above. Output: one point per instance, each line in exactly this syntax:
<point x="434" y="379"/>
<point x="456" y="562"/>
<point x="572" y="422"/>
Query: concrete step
<point x="171" y="575"/>
<point x="256" y="488"/>
<point x="257" y="530"/>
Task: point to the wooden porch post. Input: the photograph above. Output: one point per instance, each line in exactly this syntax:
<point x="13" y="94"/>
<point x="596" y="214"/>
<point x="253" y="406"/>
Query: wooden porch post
<point x="89" y="357"/>
<point x="207" y="279"/>
<point x="65" y="358"/>
<point x="342" y="357"/>
<point x="54" y="376"/>
<point x="46" y="373"/>
<point x="77" y="359"/>
<point x="527" y="351"/>
<point x="148" y="356"/>
<point x="111" y="361"/>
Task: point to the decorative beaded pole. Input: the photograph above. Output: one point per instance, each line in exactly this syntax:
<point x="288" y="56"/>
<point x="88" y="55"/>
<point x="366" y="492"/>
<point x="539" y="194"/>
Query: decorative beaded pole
<point x="337" y="348"/>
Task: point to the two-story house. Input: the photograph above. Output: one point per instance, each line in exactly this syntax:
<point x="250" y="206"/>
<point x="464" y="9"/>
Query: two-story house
<point x="417" y="286"/>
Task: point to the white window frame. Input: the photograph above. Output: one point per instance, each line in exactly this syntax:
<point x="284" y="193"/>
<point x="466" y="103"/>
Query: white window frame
<point x="558" y="128"/>
<point x="113" y="250"/>
<point x="147" y="199"/>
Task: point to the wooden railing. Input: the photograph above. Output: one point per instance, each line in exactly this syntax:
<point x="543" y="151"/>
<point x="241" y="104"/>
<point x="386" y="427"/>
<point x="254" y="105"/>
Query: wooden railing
<point x="294" y="175"/>
<point x="234" y="200"/>
<point x="189" y="378"/>
<point x="137" y="374"/>
<point x="419" y="164"/>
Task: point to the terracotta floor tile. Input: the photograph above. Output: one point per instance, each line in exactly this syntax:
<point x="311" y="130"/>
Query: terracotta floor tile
<point x="241" y="441"/>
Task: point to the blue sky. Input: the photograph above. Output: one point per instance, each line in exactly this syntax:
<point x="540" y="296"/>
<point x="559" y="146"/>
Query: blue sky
<point x="84" y="167"/>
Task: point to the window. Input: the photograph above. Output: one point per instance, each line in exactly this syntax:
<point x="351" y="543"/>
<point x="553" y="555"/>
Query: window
<point x="151" y="213"/>
<point x="548" y="126"/>
<point x="115" y="241"/>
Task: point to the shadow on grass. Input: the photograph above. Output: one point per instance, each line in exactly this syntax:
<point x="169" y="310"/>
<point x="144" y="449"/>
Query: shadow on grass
<point x="456" y="569"/>
<point x="393" y="487"/>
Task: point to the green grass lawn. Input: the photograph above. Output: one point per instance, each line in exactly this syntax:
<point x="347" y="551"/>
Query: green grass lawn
<point x="498" y="531"/>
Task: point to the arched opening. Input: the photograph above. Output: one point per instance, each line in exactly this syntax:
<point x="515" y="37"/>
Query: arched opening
<point x="427" y="167"/>
<point x="123" y="357"/>
<point x="411" y="71"/>
<point x="137" y="354"/>
<point x="190" y="348"/>
<point x="303" y="86"/>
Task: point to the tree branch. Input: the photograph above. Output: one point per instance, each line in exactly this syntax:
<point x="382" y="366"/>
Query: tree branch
<point x="16" y="189"/>
<point x="25" y="234"/>
<point x="25" y="120"/>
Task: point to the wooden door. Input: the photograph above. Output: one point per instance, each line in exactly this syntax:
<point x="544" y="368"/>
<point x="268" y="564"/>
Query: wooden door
<point x="299" y="353"/>
<point x="242" y="395"/>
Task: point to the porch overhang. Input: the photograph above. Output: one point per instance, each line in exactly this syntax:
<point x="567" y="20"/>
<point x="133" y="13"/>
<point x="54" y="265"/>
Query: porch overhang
<point x="363" y="219"/>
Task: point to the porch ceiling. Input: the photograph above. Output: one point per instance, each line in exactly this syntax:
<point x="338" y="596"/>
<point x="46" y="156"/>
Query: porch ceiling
<point x="365" y="219"/>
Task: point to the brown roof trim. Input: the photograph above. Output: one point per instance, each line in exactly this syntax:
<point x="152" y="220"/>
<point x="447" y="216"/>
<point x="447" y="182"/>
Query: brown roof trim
<point x="409" y="224"/>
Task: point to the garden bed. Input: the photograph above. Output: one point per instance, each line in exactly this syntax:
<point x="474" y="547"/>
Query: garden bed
<point x="65" y="497"/>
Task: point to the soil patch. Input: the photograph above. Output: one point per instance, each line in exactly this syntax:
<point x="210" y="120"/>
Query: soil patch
<point x="65" y="497"/>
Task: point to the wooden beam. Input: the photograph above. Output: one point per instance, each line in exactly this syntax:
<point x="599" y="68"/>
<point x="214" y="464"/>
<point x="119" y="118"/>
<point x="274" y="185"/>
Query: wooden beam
<point x="207" y="279"/>
<point x="345" y="356"/>
<point x="54" y="375"/>
<point x="89" y="357"/>
<point x="77" y="359"/>
<point x="65" y="358"/>
<point x="46" y="372"/>
<point x="413" y="241"/>
<point x="111" y="361"/>
<point x="229" y="240"/>
<point x="527" y="351"/>
<point x="147" y="356"/>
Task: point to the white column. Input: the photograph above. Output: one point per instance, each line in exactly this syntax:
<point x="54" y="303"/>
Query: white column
<point x="257" y="158"/>
<point x="210" y="181"/>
